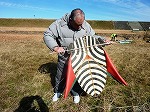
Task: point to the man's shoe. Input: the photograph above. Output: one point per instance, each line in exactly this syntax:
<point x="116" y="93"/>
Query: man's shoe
<point x="56" y="96"/>
<point x="76" y="99"/>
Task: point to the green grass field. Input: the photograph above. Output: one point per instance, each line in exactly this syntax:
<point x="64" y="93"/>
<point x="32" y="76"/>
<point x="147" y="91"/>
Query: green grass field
<point x="25" y="22"/>
<point x="47" y="22"/>
<point x="27" y="69"/>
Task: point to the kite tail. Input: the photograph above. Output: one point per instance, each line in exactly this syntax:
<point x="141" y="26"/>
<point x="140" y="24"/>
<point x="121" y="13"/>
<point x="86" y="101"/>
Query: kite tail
<point x="70" y="78"/>
<point x="113" y="71"/>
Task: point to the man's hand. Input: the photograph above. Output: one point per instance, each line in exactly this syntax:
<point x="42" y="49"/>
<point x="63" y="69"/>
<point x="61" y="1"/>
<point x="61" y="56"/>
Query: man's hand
<point x="59" y="49"/>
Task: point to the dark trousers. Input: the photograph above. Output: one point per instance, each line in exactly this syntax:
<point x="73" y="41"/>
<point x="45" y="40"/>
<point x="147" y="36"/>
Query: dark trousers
<point x="60" y="78"/>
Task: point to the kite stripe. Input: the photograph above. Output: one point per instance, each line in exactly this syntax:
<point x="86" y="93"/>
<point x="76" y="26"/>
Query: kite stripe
<point x="96" y="71"/>
<point x="78" y="54"/>
<point x="82" y="79"/>
<point x="89" y="65"/>
<point x="95" y="65"/>
<point x="95" y="52"/>
<point x="90" y="86"/>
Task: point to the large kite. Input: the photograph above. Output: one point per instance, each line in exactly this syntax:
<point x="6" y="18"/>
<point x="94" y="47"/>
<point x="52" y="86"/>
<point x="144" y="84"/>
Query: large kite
<point x="89" y="64"/>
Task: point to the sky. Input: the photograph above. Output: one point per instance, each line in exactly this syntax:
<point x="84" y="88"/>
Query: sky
<point x="115" y="10"/>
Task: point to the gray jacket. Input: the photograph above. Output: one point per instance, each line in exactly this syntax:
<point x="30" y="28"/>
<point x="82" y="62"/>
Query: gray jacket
<point x="59" y="33"/>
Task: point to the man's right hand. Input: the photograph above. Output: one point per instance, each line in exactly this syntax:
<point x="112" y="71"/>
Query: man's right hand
<point x="59" y="49"/>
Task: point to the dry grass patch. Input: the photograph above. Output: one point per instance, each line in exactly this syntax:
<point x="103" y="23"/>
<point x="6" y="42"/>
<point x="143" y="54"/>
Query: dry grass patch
<point x="27" y="69"/>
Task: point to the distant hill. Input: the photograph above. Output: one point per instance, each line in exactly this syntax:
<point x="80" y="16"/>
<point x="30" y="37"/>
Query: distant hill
<point x="121" y="25"/>
<point x="25" y="22"/>
<point x="46" y="22"/>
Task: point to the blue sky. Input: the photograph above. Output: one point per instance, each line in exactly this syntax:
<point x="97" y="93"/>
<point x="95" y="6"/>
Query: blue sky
<point x="116" y="10"/>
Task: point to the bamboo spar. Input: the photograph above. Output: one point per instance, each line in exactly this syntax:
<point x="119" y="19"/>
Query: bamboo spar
<point x="83" y="47"/>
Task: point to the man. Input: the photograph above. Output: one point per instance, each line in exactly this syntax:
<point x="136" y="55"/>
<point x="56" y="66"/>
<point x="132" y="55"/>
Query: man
<point x="113" y="37"/>
<point x="58" y="37"/>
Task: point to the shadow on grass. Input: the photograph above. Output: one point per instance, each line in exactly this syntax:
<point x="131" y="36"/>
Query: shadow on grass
<point x="50" y="68"/>
<point x="28" y="104"/>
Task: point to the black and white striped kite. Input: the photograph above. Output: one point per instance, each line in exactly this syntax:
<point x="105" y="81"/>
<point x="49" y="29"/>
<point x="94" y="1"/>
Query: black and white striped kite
<point x="89" y="65"/>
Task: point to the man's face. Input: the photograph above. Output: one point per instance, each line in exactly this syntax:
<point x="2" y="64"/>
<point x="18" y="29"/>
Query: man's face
<point x="78" y="20"/>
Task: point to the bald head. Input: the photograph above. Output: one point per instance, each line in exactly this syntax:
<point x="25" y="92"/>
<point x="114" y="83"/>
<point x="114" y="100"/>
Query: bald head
<point x="77" y="18"/>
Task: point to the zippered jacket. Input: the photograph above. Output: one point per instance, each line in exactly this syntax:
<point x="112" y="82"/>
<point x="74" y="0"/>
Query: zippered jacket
<point x="61" y="34"/>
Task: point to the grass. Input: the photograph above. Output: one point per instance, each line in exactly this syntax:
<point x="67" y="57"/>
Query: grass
<point x="101" y="24"/>
<point x="27" y="69"/>
<point x="46" y="22"/>
<point x="25" y="22"/>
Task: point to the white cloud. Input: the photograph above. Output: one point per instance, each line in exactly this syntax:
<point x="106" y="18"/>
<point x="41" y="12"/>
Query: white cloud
<point x="131" y="8"/>
<point x="7" y="4"/>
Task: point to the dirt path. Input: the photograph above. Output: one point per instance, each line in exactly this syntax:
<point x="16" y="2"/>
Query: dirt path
<point x="13" y="33"/>
<point x="22" y="29"/>
<point x="41" y="29"/>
